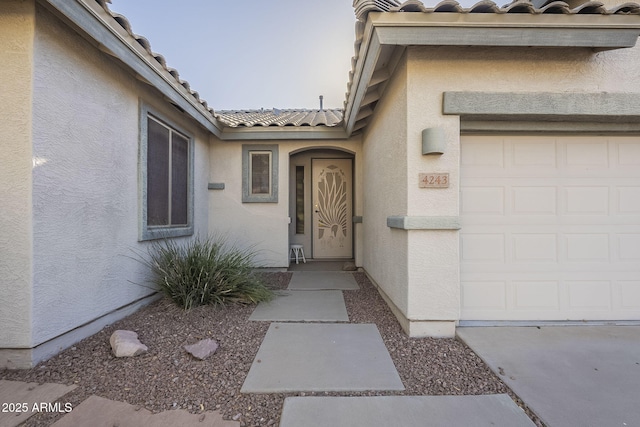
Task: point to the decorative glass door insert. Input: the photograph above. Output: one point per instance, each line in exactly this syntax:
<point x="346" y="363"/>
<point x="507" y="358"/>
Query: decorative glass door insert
<point x="331" y="213"/>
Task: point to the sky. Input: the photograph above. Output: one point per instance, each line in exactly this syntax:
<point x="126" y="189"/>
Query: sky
<point x="252" y="54"/>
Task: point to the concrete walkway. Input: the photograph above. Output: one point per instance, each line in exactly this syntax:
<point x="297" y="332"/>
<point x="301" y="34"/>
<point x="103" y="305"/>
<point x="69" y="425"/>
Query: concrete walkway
<point x="323" y="280"/>
<point x="408" y="411"/>
<point x="568" y="375"/>
<point x="319" y="357"/>
<point x="303" y="306"/>
<point x="322" y="357"/>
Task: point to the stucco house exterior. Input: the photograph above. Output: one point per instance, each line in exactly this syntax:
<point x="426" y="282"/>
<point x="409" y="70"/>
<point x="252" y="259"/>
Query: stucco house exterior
<point x="485" y="168"/>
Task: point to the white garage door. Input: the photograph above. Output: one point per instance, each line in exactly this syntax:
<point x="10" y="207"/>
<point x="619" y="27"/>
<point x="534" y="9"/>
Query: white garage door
<point x="550" y="228"/>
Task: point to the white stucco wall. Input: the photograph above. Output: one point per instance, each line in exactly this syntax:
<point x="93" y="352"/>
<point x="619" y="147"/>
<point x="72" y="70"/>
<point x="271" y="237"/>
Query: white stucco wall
<point x="17" y="26"/>
<point x="433" y="283"/>
<point x="85" y="186"/>
<point x="385" y="154"/>
<point x="265" y="227"/>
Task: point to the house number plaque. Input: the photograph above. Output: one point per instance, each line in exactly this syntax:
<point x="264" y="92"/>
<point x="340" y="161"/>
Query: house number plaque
<point x="434" y="180"/>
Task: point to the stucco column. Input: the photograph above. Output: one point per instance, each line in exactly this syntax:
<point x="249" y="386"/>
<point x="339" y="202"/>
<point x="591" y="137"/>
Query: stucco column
<point x="432" y="228"/>
<point x="17" y="26"/>
<point x="432" y="213"/>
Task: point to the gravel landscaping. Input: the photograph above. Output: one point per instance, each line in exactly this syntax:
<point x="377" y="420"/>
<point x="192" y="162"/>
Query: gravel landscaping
<point x="167" y="377"/>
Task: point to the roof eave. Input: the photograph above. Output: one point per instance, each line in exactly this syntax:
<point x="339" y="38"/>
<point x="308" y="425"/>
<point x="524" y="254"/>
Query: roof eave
<point x="283" y="133"/>
<point x="385" y="32"/>
<point x="93" y="21"/>
<point x="508" y="29"/>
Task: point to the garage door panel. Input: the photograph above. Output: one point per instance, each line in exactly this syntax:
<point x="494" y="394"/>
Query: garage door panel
<point x="586" y="152"/>
<point x="541" y="244"/>
<point x="535" y="247"/>
<point x="628" y="247"/>
<point x="591" y="294"/>
<point x="628" y="153"/>
<point x="483" y="247"/>
<point x="536" y="154"/>
<point x="629" y="290"/>
<point x="484" y="295"/>
<point x="628" y="200"/>
<point x="483" y="201"/>
<point x="534" y="200"/>
<point x="587" y="247"/>
<point x="486" y="152"/>
<point x="586" y="200"/>
<point x="550" y="300"/>
<point x="551" y="229"/>
<point x="537" y="295"/>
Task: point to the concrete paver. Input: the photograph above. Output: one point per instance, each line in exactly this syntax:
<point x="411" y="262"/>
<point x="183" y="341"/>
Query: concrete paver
<point x="318" y="280"/>
<point x="322" y="357"/>
<point x="24" y="400"/>
<point x="568" y="375"/>
<point x="405" y="411"/>
<point x="303" y="306"/>
<point x="314" y="265"/>
<point x="100" y="412"/>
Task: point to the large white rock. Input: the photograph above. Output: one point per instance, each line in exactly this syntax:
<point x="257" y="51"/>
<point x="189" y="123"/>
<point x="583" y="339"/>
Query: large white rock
<point x="126" y="344"/>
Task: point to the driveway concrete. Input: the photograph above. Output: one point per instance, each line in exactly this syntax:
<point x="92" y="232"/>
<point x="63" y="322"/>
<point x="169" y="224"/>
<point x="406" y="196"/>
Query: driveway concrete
<point x="568" y="375"/>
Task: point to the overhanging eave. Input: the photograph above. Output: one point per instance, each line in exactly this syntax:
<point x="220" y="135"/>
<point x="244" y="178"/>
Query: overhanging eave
<point x="282" y="133"/>
<point x="509" y="30"/>
<point x="385" y="31"/>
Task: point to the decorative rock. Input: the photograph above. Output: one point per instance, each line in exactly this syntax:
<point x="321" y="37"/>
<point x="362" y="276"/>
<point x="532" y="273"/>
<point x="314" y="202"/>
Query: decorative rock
<point x="202" y="349"/>
<point x="126" y="344"/>
<point x="349" y="266"/>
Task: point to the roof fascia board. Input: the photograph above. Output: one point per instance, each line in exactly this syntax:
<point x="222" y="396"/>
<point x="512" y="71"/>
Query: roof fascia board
<point x="279" y="133"/>
<point x="109" y="40"/>
<point x="488" y="29"/>
<point x="545" y="106"/>
<point x="492" y="20"/>
<point x="370" y="51"/>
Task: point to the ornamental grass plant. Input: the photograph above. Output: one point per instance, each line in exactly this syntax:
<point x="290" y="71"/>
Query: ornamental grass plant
<point x="206" y="272"/>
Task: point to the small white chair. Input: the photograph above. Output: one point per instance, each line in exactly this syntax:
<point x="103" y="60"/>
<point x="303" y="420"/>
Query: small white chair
<point x="298" y="252"/>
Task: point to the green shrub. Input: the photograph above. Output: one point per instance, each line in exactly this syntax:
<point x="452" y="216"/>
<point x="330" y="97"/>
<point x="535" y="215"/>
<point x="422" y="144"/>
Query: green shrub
<point x="205" y="272"/>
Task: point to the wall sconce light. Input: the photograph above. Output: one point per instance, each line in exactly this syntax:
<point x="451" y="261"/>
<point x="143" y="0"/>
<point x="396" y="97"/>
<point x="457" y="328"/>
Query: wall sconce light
<point x="433" y="141"/>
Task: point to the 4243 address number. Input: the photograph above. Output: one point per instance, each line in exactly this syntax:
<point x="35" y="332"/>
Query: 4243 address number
<point x="434" y="180"/>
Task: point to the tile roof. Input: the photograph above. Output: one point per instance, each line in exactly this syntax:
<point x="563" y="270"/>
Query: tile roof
<point x="237" y="118"/>
<point x="275" y="117"/>
<point x="124" y="23"/>
<point x="363" y="7"/>
<point x="333" y="118"/>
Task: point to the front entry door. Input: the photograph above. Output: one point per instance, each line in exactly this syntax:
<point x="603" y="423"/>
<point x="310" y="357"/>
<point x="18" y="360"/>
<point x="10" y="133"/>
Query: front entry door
<point x="331" y="213"/>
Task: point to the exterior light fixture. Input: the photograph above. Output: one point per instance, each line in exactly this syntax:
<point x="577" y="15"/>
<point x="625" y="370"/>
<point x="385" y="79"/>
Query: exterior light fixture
<point x="433" y="141"/>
